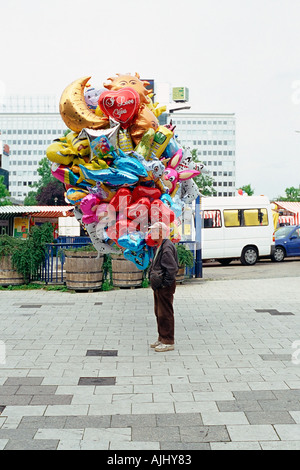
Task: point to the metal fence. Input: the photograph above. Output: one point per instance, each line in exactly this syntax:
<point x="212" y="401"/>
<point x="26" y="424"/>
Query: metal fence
<point x="52" y="271"/>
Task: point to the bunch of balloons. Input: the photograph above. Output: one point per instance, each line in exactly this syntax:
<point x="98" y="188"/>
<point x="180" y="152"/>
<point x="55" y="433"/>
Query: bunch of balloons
<point x="122" y="170"/>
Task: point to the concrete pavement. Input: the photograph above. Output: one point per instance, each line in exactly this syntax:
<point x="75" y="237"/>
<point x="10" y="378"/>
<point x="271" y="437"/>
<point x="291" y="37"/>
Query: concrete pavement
<point x="79" y="373"/>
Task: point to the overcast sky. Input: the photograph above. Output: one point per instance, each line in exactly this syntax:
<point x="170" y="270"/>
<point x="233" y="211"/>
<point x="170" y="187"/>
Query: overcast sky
<point x="235" y="56"/>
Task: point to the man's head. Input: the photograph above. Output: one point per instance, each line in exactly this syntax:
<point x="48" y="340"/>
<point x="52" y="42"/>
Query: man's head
<point x="159" y="231"/>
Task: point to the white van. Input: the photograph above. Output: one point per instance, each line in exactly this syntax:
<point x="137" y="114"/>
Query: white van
<point x="237" y="228"/>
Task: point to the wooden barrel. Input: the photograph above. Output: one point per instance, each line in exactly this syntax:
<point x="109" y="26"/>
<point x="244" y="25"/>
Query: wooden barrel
<point x="180" y="275"/>
<point x="84" y="271"/>
<point x="125" y="273"/>
<point x="9" y="276"/>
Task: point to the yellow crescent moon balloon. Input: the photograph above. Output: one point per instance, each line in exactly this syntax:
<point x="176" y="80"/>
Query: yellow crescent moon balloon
<point x="74" y="110"/>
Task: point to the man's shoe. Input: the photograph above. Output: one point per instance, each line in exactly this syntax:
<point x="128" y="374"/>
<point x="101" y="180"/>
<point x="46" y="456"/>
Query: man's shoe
<point x="156" y="343"/>
<point x="164" y="347"/>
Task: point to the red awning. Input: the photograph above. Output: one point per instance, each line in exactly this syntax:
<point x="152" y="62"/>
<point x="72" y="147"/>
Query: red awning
<point x="291" y="207"/>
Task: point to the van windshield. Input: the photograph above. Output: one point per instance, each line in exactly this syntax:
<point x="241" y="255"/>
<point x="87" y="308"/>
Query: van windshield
<point x="283" y="231"/>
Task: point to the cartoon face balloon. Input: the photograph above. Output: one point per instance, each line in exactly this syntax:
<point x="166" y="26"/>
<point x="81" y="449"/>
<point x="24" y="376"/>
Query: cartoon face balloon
<point x="122" y="81"/>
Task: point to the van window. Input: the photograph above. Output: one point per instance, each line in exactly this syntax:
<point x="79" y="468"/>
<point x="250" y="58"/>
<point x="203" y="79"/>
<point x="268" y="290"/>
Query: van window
<point x="256" y="217"/>
<point x="233" y="217"/>
<point x="212" y="219"/>
<point x="245" y="217"/>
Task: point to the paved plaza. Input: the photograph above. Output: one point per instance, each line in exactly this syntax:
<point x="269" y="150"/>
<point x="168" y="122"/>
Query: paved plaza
<point x="77" y="371"/>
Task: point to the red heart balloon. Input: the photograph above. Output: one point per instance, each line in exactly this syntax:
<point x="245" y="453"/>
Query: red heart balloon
<point x="160" y="212"/>
<point x="139" y="209"/>
<point x="145" y="191"/>
<point x="117" y="230"/>
<point x="122" y="199"/>
<point x="121" y="105"/>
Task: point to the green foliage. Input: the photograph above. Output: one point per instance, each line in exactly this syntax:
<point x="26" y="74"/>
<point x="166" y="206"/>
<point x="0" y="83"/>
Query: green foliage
<point x="107" y="271"/>
<point x="27" y="254"/>
<point x="145" y="283"/>
<point x="204" y="182"/>
<point x="33" y="286"/>
<point x="8" y="245"/>
<point x="46" y="177"/>
<point x="4" y="193"/>
<point x="30" y="199"/>
<point x="291" y="194"/>
<point x="88" y="247"/>
<point x="248" y="190"/>
<point x="185" y="256"/>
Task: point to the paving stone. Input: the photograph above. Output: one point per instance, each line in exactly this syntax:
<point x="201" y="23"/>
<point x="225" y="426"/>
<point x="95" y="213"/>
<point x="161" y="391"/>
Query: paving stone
<point x="287" y="394"/>
<point x="280" y="405"/>
<point x="271" y="417"/>
<point x="133" y="420"/>
<point x="36" y="390"/>
<point x="182" y="419"/>
<point x="244" y="406"/>
<point x="157" y="433"/>
<point x="9" y="389"/>
<point x="276" y="357"/>
<point x="51" y="400"/>
<point x="262" y="432"/>
<point x="15" y="400"/>
<point x="254" y="395"/>
<point x="37" y="422"/>
<point x="24" y="381"/>
<point x="184" y="446"/>
<point x="288" y="432"/>
<point x="31" y="444"/>
<point x="79" y="422"/>
<point x="17" y="434"/>
<point x="203" y="433"/>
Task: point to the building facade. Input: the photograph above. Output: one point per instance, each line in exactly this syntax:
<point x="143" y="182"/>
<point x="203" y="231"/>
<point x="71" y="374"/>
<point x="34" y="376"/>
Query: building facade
<point x="213" y="136"/>
<point x="28" y="125"/>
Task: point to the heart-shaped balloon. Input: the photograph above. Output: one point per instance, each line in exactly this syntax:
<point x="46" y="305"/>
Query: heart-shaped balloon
<point x="140" y="208"/>
<point x="121" y="200"/>
<point x="121" y="105"/>
<point x="160" y="212"/>
<point x="145" y="191"/>
<point x="117" y="230"/>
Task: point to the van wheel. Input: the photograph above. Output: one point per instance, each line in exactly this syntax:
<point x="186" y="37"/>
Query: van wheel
<point x="278" y="255"/>
<point x="249" y="256"/>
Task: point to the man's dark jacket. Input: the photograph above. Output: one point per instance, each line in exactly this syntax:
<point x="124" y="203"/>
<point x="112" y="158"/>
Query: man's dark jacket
<point x="164" y="267"/>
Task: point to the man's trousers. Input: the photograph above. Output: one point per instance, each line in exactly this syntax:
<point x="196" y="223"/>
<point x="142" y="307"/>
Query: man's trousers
<point x="163" y="309"/>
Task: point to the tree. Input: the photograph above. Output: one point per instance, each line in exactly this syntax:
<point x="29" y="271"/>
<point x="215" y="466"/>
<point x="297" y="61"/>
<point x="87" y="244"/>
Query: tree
<point x="204" y="182"/>
<point x="248" y="190"/>
<point x="4" y="194"/>
<point x="42" y="195"/>
<point x="292" y="194"/>
<point x="51" y="194"/>
<point x="30" y="199"/>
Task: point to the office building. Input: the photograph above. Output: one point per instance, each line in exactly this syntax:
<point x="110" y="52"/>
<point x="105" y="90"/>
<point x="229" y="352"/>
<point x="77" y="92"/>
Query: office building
<point x="28" y="125"/>
<point x="213" y="136"/>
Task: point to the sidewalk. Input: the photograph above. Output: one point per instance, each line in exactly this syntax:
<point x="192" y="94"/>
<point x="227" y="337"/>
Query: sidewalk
<point x="79" y="373"/>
